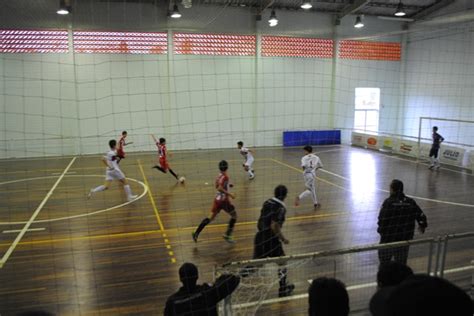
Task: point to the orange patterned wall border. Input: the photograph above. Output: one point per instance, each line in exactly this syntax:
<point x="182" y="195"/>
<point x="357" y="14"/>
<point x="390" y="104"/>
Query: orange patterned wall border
<point x="120" y="42"/>
<point x="31" y="41"/>
<point x="390" y="51"/>
<point x="283" y="46"/>
<point x="214" y="44"/>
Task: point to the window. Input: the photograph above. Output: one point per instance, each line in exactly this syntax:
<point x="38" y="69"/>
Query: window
<point x="366" y="114"/>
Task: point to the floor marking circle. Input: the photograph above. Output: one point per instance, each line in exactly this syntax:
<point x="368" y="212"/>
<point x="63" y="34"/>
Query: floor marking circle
<point x="145" y="191"/>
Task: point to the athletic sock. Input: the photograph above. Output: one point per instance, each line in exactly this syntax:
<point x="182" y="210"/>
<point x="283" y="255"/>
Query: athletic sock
<point x="99" y="188"/>
<point x="127" y="189"/>
<point x="159" y="168"/>
<point x="202" y="225"/>
<point x="230" y="227"/>
<point x="174" y="174"/>
<point x="282" y="273"/>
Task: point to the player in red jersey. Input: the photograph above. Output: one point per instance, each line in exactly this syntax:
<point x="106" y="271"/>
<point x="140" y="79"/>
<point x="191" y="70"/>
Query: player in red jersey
<point x="221" y="202"/>
<point x="163" y="157"/>
<point x="121" y="145"/>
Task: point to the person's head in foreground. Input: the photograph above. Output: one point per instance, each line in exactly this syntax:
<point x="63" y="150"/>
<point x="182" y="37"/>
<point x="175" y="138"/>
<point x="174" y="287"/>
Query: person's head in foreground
<point x="188" y="275"/>
<point x="328" y="297"/>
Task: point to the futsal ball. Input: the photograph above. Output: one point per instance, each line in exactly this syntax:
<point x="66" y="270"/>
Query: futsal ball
<point x="182" y="179"/>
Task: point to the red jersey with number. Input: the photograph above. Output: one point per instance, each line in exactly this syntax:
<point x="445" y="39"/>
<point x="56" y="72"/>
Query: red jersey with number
<point x="222" y="180"/>
<point x="161" y="151"/>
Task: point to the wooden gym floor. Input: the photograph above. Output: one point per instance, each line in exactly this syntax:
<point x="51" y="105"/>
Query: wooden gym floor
<point x="104" y="256"/>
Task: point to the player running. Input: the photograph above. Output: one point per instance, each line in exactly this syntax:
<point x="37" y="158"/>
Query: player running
<point x="310" y="163"/>
<point x="221" y="202"/>
<point x="248" y="155"/>
<point x="113" y="172"/>
<point x="163" y="157"/>
<point x="121" y="145"/>
<point x="437" y="140"/>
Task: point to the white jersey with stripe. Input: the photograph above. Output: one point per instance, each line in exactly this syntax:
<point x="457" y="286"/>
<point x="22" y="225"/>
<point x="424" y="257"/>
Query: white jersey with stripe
<point x="244" y="151"/>
<point x="310" y="163"/>
<point x="111" y="157"/>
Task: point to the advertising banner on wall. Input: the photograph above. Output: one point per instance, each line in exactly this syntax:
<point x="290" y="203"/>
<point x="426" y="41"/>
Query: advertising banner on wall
<point x="452" y="155"/>
<point x="407" y="147"/>
<point x="372" y="142"/>
<point x="358" y="139"/>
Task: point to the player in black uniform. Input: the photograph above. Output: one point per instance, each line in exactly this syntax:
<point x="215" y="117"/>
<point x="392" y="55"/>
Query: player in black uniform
<point x="437" y="140"/>
<point x="396" y="222"/>
<point x="269" y="238"/>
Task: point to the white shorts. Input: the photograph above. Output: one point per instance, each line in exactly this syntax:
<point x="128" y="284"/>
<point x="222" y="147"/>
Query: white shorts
<point x="115" y="174"/>
<point x="249" y="162"/>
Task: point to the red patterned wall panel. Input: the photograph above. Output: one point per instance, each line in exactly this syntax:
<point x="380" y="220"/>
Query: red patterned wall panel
<point x="29" y="41"/>
<point x="280" y="46"/>
<point x="370" y="50"/>
<point x="120" y="42"/>
<point x="214" y="44"/>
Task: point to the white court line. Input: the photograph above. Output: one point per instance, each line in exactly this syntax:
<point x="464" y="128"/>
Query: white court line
<point x="35" y="214"/>
<point x="145" y="191"/>
<point x="58" y="173"/>
<point x="19" y="230"/>
<point x="349" y="288"/>
<point x="412" y="196"/>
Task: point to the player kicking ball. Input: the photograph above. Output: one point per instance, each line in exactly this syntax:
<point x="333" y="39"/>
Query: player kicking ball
<point x="310" y="163"/>
<point x="163" y="158"/>
<point x="113" y="172"/>
<point x="121" y="145"/>
<point x="221" y="202"/>
<point x="248" y="155"/>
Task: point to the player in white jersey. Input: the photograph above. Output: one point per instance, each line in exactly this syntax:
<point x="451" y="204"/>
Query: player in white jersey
<point x="113" y="172"/>
<point x="310" y="163"/>
<point x="248" y="155"/>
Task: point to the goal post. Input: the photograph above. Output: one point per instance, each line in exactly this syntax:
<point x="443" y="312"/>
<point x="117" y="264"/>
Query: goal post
<point x="457" y="148"/>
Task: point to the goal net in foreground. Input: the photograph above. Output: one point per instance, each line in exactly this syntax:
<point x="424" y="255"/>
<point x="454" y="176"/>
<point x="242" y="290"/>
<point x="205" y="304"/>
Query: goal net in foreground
<point x="357" y="267"/>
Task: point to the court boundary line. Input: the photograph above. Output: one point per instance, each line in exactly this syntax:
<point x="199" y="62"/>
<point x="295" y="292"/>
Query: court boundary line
<point x="157" y="214"/>
<point x="377" y="189"/>
<point x="18" y="238"/>
<point x="145" y="191"/>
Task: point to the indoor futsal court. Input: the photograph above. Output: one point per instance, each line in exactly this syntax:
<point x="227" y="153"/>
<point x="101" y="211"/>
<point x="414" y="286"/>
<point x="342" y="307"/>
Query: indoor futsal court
<point x="116" y="117"/>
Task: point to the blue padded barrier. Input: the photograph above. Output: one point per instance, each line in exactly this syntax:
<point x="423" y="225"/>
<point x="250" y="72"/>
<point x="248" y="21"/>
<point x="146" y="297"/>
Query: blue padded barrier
<point x="301" y="138"/>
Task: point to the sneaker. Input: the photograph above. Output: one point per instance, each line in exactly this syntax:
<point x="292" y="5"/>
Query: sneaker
<point x="89" y="195"/>
<point x="297" y="201"/>
<point x="195" y="237"/>
<point x="251" y="177"/>
<point x="132" y="197"/>
<point x="431" y="167"/>
<point x="317" y="205"/>
<point x="286" y="290"/>
<point x="229" y="239"/>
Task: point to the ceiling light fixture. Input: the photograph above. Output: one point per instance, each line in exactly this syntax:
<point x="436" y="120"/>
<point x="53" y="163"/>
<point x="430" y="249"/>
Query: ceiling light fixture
<point x="273" y="21"/>
<point x="358" y="23"/>
<point x="306" y="5"/>
<point x="175" y="13"/>
<point x="64" y="9"/>
<point x="400" y="11"/>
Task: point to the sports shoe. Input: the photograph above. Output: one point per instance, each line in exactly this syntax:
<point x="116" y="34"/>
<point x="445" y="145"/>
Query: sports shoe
<point x="286" y="290"/>
<point x="195" y="237"/>
<point x="132" y="197"/>
<point x="317" y="205"/>
<point x="297" y="201"/>
<point x="251" y="177"/>
<point x="431" y="167"/>
<point x="229" y="239"/>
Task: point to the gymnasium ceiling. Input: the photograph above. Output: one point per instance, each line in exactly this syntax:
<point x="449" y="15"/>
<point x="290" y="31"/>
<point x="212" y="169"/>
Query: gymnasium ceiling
<point x="153" y="13"/>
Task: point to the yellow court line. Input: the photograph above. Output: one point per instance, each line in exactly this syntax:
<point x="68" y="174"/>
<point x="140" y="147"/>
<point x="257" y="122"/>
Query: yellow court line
<point x="157" y="214"/>
<point x="171" y="230"/>
<point x="300" y="171"/>
<point x="152" y="200"/>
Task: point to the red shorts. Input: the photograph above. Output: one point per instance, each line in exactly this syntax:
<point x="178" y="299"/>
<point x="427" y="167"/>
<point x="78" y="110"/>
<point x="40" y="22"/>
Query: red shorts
<point x="120" y="153"/>
<point x="164" y="164"/>
<point x="219" y="205"/>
